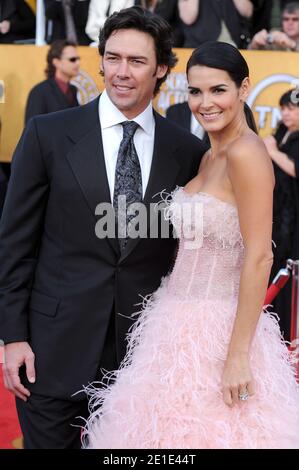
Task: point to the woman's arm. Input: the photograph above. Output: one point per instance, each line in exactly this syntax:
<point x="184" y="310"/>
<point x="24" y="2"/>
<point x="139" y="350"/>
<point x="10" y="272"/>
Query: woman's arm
<point x="96" y="18"/>
<point x="251" y="175"/>
<point x="244" y="7"/>
<point x="188" y="10"/>
<point x="280" y="158"/>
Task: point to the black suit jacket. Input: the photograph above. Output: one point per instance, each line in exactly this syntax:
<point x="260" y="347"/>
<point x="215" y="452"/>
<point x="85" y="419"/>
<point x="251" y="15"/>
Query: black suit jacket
<point x="54" y="12"/>
<point x="168" y="9"/>
<point x="180" y="114"/>
<point x="46" y="97"/>
<point x="58" y="281"/>
<point x="21" y="18"/>
<point x="3" y="187"/>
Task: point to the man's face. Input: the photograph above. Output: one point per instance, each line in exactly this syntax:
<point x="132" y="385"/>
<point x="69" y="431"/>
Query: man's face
<point x="130" y="70"/>
<point x="290" y="24"/>
<point x="69" y="63"/>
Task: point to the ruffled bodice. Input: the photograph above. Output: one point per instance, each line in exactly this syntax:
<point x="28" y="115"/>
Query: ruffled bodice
<point x="211" y="248"/>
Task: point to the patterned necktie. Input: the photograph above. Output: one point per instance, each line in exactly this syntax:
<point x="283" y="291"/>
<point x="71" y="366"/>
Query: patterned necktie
<point x="128" y="181"/>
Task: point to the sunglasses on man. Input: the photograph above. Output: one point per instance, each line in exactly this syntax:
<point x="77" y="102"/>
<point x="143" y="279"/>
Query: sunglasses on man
<point x="290" y="18"/>
<point x="73" y="59"/>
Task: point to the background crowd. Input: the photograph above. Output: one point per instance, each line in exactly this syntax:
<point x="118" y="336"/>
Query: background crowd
<point x="245" y="23"/>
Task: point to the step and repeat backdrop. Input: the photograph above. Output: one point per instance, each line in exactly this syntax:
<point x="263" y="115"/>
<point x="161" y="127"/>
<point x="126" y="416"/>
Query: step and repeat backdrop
<point x="21" y="67"/>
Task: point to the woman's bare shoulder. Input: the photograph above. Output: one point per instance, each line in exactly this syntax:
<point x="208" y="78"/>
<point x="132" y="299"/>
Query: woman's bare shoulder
<point x="249" y="147"/>
<point x="245" y="145"/>
<point x="249" y="151"/>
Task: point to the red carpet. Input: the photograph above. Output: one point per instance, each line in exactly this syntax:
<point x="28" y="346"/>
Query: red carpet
<point x="10" y="432"/>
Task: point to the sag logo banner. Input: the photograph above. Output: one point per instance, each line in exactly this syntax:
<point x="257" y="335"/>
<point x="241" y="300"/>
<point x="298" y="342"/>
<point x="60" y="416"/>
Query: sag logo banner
<point x="22" y="67"/>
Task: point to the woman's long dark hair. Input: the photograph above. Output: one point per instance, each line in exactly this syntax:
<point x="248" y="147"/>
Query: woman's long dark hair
<point x="223" y="56"/>
<point x="250" y="118"/>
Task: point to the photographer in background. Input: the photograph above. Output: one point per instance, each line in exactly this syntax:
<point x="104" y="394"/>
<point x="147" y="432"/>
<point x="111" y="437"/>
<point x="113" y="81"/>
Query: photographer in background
<point x="283" y="148"/>
<point x="287" y="39"/>
<point x="17" y="21"/>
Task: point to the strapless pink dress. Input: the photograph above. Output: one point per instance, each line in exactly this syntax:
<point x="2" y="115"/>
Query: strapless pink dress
<point x="167" y="393"/>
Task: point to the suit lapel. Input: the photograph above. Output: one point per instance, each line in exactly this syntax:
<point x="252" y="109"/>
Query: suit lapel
<point x="165" y="167"/>
<point x="87" y="162"/>
<point x="187" y="117"/>
<point x="164" y="171"/>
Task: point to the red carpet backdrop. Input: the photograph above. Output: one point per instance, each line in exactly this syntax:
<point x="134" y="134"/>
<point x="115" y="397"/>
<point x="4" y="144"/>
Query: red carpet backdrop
<point x="10" y="432"/>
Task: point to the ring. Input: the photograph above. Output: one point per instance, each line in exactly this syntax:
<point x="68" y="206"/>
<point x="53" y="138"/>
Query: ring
<point x="243" y="396"/>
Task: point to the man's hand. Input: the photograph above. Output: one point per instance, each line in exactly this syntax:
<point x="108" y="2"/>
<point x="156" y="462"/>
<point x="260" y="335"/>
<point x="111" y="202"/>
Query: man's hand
<point x="15" y="356"/>
<point x="282" y="40"/>
<point x="259" y="39"/>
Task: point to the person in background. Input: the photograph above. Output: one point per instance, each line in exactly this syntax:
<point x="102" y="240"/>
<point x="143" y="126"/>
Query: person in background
<point x="99" y="11"/>
<point x="287" y="39"/>
<point x="283" y="148"/>
<point x="180" y="114"/>
<point x="17" y="21"/>
<point x="261" y="17"/>
<point x="56" y="92"/>
<point x="225" y="20"/>
<point x="168" y="9"/>
<point x="60" y="13"/>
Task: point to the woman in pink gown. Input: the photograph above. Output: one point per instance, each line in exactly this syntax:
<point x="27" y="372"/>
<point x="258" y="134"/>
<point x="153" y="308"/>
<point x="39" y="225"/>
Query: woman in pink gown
<point x="206" y="367"/>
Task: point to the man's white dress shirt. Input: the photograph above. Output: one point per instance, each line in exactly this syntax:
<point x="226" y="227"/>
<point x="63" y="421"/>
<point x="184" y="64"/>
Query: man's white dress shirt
<point x="112" y="133"/>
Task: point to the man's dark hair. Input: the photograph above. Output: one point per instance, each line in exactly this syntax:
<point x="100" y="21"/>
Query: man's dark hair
<point x="55" y="52"/>
<point x="291" y="7"/>
<point x="143" y="20"/>
<point x="290" y="97"/>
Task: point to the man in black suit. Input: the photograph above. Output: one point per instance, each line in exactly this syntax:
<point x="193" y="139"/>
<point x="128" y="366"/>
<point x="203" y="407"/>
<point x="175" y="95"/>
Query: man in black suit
<point x="56" y="12"/>
<point x="3" y="187"/>
<point x="180" y="114"/>
<point x="66" y="293"/>
<point x="56" y="93"/>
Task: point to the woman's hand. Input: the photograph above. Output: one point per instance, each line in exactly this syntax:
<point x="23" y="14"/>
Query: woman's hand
<point x="237" y="379"/>
<point x="271" y="144"/>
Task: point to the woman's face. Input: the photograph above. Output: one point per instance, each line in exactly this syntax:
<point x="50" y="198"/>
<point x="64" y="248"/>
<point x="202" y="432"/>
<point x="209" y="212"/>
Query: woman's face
<point x="290" y="116"/>
<point x="214" y="98"/>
